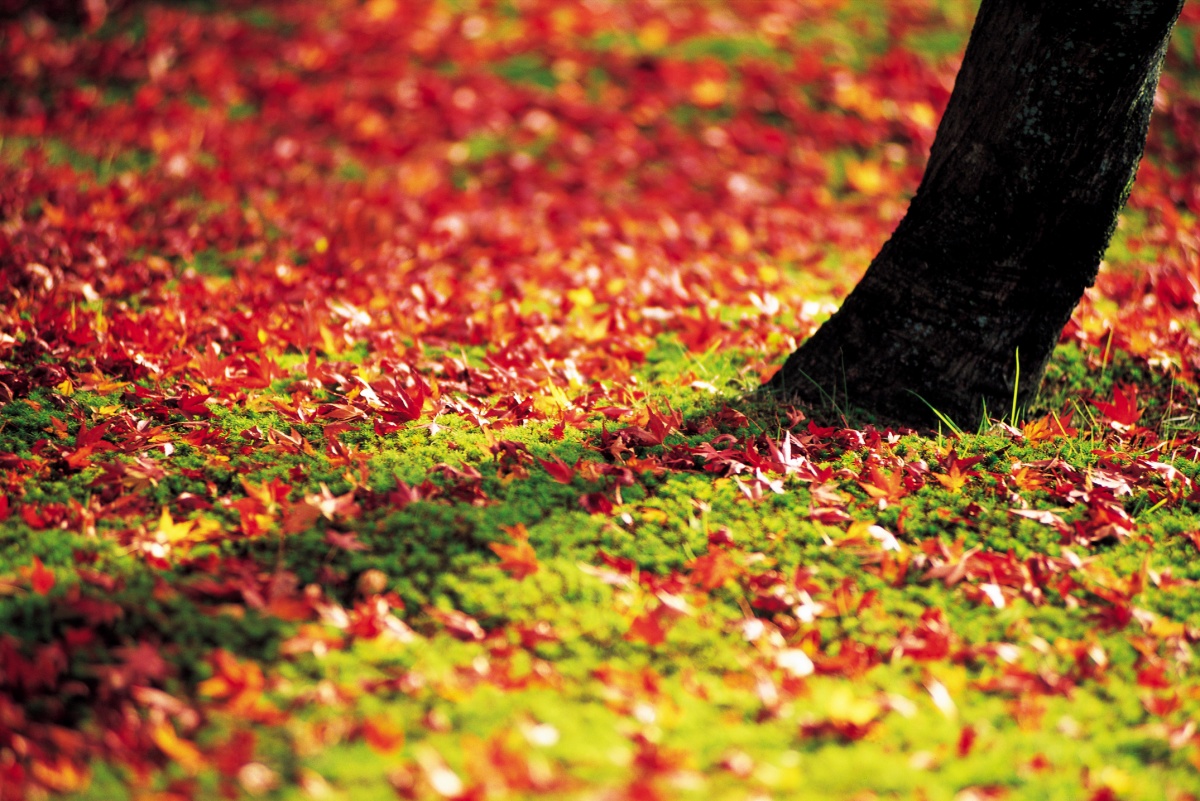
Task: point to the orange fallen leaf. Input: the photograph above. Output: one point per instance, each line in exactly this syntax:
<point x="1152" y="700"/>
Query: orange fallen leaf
<point x="382" y="734"/>
<point x="184" y="753"/>
<point x="713" y="569"/>
<point x="40" y="579"/>
<point x="518" y="560"/>
<point x="884" y="486"/>
<point x="646" y="628"/>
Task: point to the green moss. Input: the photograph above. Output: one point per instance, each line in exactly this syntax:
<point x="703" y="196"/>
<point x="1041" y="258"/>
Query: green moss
<point x="527" y="69"/>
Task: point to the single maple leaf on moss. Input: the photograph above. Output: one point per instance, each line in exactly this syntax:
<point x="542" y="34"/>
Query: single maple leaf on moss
<point x="1048" y="427"/>
<point x="518" y="560"/>
<point x="713" y="569"/>
<point x="40" y="579"/>
<point x="958" y="471"/>
<point x="559" y="470"/>
<point x="182" y="752"/>
<point x="236" y="684"/>
<point x="1026" y="478"/>
<point x="173" y="533"/>
<point x="884" y="486"/>
<point x="382" y="735"/>
<point x="647" y="628"/>
<point x="1122" y="412"/>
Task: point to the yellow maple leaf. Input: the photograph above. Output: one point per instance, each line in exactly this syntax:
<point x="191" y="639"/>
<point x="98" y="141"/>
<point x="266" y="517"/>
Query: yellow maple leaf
<point x="709" y="92"/>
<point x="380" y="10"/>
<point x="170" y="531"/>
<point x="61" y="775"/>
<point x="866" y="177"/>
<point x="846" y="708"/>
<point x="173" y="533"/>
<point x="955" y="479"/>
<point x="186" y="755"/>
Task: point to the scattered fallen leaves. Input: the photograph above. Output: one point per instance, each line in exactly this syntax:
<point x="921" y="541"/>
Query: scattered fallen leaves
<point x="301" y="303"/>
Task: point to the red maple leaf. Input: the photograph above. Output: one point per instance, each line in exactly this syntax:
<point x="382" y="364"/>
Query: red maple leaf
<point x="966" y="739"/>
<point x="559" y="470"/>
<point x="929" y="641"/>
<point x="661" y="424"/>
<point x="40" y="579"/>
<point x="142" y="663"/>
<point x="195" y="405"/>
<point x="1122" y="412"/>
<point x="596" y="503"/>
<point x="229" y="757"/>
<point x="87" y="442"/>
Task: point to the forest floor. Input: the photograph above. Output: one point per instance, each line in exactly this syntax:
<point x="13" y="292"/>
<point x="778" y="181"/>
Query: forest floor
<point x="376" y="421"/>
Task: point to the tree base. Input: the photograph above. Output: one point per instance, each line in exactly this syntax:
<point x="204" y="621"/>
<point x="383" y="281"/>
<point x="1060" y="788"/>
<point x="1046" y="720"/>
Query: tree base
<point x="1034" y="158"/>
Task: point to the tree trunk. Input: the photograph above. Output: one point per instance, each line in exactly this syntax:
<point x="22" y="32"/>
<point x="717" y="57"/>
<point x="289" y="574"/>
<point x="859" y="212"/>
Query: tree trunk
<point x="1032" y="162"/>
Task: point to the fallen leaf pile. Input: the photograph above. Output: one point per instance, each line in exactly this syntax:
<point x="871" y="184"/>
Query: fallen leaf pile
<point x="375" y="420"/>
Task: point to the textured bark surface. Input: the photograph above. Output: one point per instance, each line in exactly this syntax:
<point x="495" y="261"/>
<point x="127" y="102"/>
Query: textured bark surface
<point x="1033" y="159"/>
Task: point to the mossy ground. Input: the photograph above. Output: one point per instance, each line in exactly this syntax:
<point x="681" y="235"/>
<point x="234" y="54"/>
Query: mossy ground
<point x="684" y="714"/>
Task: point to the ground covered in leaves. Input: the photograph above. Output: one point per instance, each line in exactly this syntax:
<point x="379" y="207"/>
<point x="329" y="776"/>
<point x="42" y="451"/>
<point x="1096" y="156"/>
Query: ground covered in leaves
<point x="373" y="420"/>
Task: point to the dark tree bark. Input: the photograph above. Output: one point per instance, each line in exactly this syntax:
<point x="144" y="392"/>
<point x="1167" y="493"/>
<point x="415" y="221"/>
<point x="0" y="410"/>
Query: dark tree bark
<point x="1033" y="159"/>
